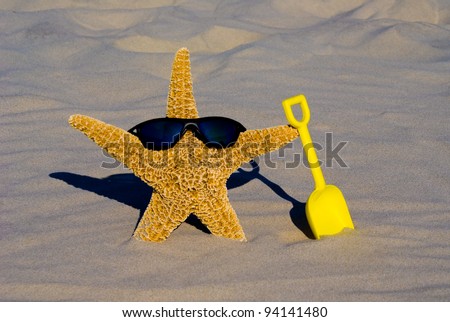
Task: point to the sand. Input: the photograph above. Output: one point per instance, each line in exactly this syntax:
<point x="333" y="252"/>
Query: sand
<point x="376" y="75"/>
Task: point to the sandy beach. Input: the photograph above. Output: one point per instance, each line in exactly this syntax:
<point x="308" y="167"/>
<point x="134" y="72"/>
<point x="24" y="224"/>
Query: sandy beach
<point x="376" y="75"/>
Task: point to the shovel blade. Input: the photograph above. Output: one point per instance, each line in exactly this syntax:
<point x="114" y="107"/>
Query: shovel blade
<point x="327" y="212"/>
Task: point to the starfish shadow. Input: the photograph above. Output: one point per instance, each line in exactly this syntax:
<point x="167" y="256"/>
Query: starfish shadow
<point x="131" y="191"/>
<point x="125" y="188"/>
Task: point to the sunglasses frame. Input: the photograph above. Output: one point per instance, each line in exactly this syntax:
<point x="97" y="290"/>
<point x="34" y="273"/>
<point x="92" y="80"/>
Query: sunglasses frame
<point x="189" y="125"/>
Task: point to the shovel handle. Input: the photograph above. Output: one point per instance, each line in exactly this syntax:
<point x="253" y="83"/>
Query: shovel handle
<point x="305" y="137"/>
<point x="287" y="106"/>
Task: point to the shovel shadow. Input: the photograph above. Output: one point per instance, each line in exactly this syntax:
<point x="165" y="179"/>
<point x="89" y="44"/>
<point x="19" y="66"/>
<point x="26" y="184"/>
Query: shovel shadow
<point x="298" y="210"/>
<point x="131" y="191"/>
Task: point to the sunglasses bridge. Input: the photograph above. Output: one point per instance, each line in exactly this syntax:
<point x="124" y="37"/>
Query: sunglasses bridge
<point x="193" y="127"/>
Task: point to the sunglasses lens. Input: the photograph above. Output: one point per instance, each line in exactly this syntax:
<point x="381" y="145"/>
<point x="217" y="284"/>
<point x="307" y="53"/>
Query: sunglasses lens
<point x="220" y="132"/>
<point x="159" y="133"/>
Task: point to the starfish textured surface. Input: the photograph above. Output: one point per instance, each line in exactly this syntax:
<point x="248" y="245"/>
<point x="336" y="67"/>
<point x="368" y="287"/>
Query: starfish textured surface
<point x="188" y="178"/>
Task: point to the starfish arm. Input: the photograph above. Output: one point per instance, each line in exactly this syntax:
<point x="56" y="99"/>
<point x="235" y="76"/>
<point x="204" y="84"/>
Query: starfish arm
<point x="160" y="218"/>
<point x="180" y="100"/>
<point x="119" y="143"/>
<point x="220" y="218"/>
<point x="253" y="143"/>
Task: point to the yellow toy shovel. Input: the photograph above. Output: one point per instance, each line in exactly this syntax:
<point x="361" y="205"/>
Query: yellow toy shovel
<point x="326" y="209"/>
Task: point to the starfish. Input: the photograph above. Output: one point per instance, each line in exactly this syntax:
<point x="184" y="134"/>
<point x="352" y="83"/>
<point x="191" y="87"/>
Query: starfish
<point x="189" y="178"/>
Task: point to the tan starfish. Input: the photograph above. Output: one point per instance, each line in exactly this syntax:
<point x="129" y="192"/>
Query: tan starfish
<point x="188" y="178"/>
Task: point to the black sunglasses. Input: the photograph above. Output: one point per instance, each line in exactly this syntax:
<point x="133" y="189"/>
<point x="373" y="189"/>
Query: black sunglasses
<point x="164" y="133"/>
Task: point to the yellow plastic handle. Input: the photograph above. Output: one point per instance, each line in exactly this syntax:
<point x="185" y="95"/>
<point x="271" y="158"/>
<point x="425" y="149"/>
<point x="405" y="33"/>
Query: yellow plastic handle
<point x="305" y="137"/>
<point x="287" y="106"/>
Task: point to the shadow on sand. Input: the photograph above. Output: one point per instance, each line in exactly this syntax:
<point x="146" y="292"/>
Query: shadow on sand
<point x="131" y="191"/>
